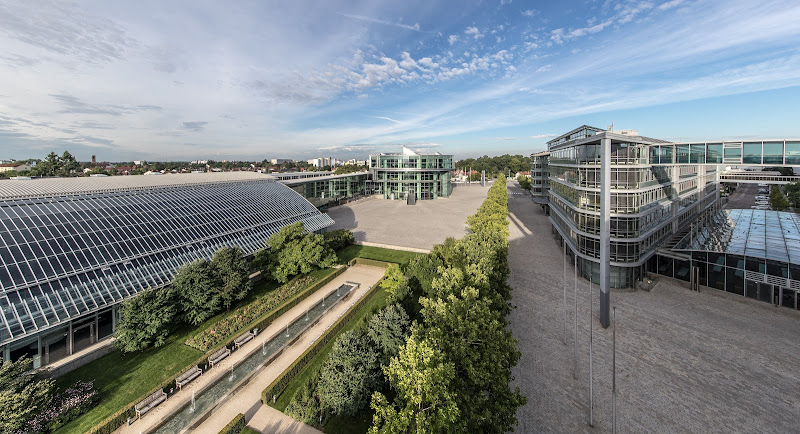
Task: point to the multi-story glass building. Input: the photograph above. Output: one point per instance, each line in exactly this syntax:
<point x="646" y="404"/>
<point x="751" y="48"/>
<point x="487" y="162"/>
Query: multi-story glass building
<point x="72" y="249"/>
<point x="663" y="213"/>
<point x="395" y="176"/>
<point x="656" y="189"/>
<point x="540" y="177"/>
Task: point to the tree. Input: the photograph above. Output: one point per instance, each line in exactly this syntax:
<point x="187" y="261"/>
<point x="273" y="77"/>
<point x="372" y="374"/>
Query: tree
<point x="291" y="251"/>
<point x="350" y="375"/>
<point x="305" y="405"/>
<point x="777" y="199"/>
<point x="22" y="395"/>
<point x="525" y="182"/>
<point x="233" y="273"/>
<point x="388" y="329"/>
<point x="424" y="404"/>
<point x="393" y="278"/>
<point x="472" y="335"/>
<point x="196" y="286"/>
<point x="68" y="166"/>
<point x="146" y="320"/>
<point x="338" y="239"/>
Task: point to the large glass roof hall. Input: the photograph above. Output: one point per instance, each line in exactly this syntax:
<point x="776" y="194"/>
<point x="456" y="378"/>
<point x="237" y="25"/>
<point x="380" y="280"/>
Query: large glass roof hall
<point x="67" y="255"/>
<point x="761" y="234"/>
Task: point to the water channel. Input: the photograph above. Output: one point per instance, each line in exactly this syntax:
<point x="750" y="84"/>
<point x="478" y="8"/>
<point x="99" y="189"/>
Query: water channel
<point x="207" y="398"/>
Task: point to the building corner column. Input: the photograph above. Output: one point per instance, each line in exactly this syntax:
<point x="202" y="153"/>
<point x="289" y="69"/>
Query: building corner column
<point x="605" y="231"/>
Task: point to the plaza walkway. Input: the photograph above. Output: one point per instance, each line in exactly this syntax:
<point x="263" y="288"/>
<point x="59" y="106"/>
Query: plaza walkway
<point x="687" y="361"/>
<point x="247" y="398"/>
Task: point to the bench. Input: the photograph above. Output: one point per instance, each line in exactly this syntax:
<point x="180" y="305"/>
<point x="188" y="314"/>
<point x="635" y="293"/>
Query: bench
<point x="218" y="356"/>
<point x="150" y="402"/>
<point x="188" y="376"/>
<point x="243" y="339"/>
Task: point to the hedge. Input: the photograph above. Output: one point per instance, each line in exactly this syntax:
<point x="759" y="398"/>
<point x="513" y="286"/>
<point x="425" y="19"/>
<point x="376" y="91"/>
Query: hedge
<point x="235" y="426"/>
<point x="370" y="262"/>
<point x="118" y="419"/>
<point x="276" y="387"/>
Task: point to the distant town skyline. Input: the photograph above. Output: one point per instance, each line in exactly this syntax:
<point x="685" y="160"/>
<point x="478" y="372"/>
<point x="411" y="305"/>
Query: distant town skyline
<point x="191" y="80"/>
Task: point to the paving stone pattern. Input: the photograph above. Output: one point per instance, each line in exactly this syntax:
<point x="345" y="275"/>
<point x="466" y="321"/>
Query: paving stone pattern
<point x="686" y="361"/>
<point x="421" y="226"/>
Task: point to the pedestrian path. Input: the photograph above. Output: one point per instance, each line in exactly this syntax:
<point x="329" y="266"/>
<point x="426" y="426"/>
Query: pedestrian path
<point x="246" y="399"/>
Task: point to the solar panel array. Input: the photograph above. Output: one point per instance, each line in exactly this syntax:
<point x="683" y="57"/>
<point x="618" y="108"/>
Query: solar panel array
<point x="70" y="254"/>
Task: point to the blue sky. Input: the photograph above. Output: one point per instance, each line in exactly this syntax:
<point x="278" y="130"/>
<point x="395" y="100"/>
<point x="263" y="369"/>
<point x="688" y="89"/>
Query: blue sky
<point x="253" y="79"/>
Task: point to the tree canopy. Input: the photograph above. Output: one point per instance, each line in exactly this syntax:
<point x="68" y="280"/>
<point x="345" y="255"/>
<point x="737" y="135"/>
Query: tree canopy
<point x="292" y="251"/>
<point x="350" y="374"/>
<point x="146" y="320"/>
<point x="498" y="164"/>
<point x="22" y="395"/>
<point x="197" y="285"/>
<point x="232" y="271"/>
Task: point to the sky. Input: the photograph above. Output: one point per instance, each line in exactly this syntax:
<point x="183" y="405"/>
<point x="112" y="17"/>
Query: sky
<point x="248" y="80"/>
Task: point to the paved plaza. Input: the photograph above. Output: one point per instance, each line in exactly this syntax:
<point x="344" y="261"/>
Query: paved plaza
<point x="686" y="361"/>
<point x="421" y="226"/>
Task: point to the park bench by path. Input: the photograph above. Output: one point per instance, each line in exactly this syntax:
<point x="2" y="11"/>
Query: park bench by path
<point x="218" y="356"/>
<point x="188" y="376"/>
<point x="150" y="402"/>
<point x="243" y="339"/>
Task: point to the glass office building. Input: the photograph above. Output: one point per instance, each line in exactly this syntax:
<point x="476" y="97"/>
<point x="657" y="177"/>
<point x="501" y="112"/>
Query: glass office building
<point x="72" y="249"/>
<point x="657" y="188"/>
<point x="395" y="176"/>
<point x="540" y="177"/>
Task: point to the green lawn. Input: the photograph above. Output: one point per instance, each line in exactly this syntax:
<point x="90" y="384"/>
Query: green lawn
<point x="248" y="430"/>
<point x="377" y="302"/>
<point x="376" y="253"/>
<point x="122" y="378"/>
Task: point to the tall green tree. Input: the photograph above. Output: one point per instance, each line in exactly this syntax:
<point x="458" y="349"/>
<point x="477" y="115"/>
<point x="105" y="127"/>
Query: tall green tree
<point x="525" y="182"/>
<point x="338" y="239"/>
<point x="292" y="251"/>
<point x="425" y="404"/>
<point x="233" y="274"/>
<point x="388" y="329"/>
<point x="197" y="288"/>
<point x="22" y="395"/>
<point x="350" y="375"/>
<point x="146" y="320"/>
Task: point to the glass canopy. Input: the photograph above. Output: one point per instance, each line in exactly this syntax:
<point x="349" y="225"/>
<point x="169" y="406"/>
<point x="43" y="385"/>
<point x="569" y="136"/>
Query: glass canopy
<point x="67" y="254"/>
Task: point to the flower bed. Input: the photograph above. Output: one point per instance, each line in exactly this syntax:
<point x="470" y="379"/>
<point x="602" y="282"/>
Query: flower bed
<point x="242" y="316"/>
<point x="66" y="406"/>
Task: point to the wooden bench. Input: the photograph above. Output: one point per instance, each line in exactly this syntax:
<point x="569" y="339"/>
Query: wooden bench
<point x="188" y="376"/>
<point x="243" y="339"/>
<point x="218" y="356"/>
<point x="150" y="402"/>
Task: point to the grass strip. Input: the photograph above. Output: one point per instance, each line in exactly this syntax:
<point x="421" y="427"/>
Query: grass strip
<point x="376" y="253"/>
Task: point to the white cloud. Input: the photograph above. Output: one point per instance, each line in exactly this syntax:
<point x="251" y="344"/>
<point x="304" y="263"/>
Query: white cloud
<point x="505" y="2"/>
<point x="529" y="12"/>
<point x="414" y="27"/>
<point x="670" y="4"/>
<point x="474" y="32"/>
<point x="543" y="136"/>
<point x="544" y="68"/>
<point x="452" y="39"/>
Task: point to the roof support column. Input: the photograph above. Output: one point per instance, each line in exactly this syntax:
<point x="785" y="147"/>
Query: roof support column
<point x="605" y="231"/>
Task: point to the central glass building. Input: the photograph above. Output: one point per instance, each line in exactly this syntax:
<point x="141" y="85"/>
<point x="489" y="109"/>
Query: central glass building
<point x="396" y="176"/>
<point x="73" y="249"/>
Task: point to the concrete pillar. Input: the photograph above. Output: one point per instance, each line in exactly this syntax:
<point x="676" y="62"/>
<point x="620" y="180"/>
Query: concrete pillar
<point x="605" y="232"/>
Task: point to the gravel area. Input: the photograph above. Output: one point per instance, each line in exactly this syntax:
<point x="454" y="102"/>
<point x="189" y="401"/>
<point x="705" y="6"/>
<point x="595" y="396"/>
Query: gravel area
<point x="421" y="226"/>
<point x="686" y="361"/>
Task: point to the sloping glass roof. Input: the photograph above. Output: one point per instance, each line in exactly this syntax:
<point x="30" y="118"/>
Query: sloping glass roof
<point x="755" y="233"/>
<point x="65" y="255"/>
